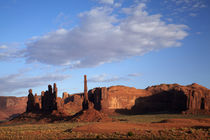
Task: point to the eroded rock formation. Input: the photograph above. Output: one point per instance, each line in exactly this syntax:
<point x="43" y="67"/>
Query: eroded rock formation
<point x="73" y="103"/>
<point x="36" y="102"/>
<point x="191" y="99"/>
<point x="49" y="98"/>
<point x="47" y="103"/>
<point x="85" y="101"/>
<point x="115" y="97"/>
<point x="65" y="96"/>
<point x="12" y="106"/>
<point x="171" y="98"/>
<point x="31" y="102"/>
<point x="164" y="98"/>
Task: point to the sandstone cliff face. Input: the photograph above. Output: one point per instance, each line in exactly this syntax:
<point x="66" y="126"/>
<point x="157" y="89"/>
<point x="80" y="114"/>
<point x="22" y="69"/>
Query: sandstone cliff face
<point x="192" y="98"/>
<point x="124" y="97"/>
<point x="115" y="97"/>
<point x="12" y="105"/>
<point x="162" y="98"/>
<point x="174" y="98"/>
<point x="65" y="95"/>
<point x="72" y="103"/>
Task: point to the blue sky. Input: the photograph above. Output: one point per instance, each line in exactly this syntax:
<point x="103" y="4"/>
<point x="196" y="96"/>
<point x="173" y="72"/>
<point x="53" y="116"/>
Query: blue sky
<point x="137" y="43"/>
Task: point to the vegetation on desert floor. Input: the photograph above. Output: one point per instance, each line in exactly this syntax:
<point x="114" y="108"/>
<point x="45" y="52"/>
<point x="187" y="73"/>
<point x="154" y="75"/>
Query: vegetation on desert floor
<point x="64" y="130"/>
<point x="38" y="131"/>
<point x="149" y="118"/>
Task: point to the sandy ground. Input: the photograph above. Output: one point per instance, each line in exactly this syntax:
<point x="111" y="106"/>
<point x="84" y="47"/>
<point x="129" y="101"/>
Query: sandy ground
<point x="123" y="127"/>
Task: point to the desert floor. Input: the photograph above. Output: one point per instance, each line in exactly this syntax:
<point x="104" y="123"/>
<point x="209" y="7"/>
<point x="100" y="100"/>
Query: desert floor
<point x="158" y="126"/>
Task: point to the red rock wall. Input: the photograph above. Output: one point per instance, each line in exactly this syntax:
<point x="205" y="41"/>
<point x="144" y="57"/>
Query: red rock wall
<point x="193" y="99"/>
<point x="115" y="97"/>
<point x="161" y="98"/>
<point x="12" y="105"/>
<point x="72" y="103"/>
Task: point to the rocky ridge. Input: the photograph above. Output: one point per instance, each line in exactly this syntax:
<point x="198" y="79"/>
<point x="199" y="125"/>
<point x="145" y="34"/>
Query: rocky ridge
<point x="164" y="98"/>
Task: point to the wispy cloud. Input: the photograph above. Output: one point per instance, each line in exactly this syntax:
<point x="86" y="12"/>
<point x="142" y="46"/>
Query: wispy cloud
<point x="185" y="6"/>
<point x="11" y="51"/>
<point x="134" y="74"/>
<point x="198" y="33"/>
<point x="3" y="46"/>
<point x="192" y="14"/>
<point x="63" y="20"/>
<point x="101" y="38"/>
<point x="106" y="1"/>
<point x="107" y="78"/>
<point x="15" y="82"/>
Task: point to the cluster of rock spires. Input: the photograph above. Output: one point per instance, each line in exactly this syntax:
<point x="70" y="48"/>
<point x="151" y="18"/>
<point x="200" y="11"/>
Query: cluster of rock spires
<point x="46" y="103"/>
<point x="172" y="98"/>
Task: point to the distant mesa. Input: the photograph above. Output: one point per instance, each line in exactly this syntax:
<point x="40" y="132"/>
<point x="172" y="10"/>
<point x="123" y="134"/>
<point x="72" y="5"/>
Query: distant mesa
<point x="95" y="104"/>
<point x="12" y="106"/>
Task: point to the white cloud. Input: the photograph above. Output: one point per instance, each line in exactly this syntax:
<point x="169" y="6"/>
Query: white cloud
<point x="106" y="78"/>
<point x="11" y="51"/>
<point x="3" y="46"/>
<point x="14" y="82"/>
<point x="117" y="5"/>
<point x="106" y="1"/>
<point x="134" y="74"/>
<point x="101" y="38"/>
<point x="169" y="19"/>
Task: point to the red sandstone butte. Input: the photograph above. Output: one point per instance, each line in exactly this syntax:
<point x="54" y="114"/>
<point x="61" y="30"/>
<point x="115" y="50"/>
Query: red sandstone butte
<point x="164" y="98"/>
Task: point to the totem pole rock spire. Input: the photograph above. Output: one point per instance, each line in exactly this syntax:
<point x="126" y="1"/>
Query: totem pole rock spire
<point x="85" y="101"/>
<point x="85" y="88"/>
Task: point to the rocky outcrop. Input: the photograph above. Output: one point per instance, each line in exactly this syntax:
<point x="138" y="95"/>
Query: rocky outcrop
<point x="49" y="99"/>
<point x="65" y="96"/>
<point x="73" y="103"/>
<point x="85" y="101"/>
<point x="11" y="106"/>
<point x="46" y="103"/>
<point x="36" y="102"/>
<point x="198" y="99"/>
<point x="164" y="98"/>
<point x="91" y="115"/>
<point x="55" y="90"/>
<point x="191" y="98"/>
<point x="31" y="102"/>
<point x="174" y="98"/>
<point x="115" y="97"/>
<point x="169" y="98"/>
